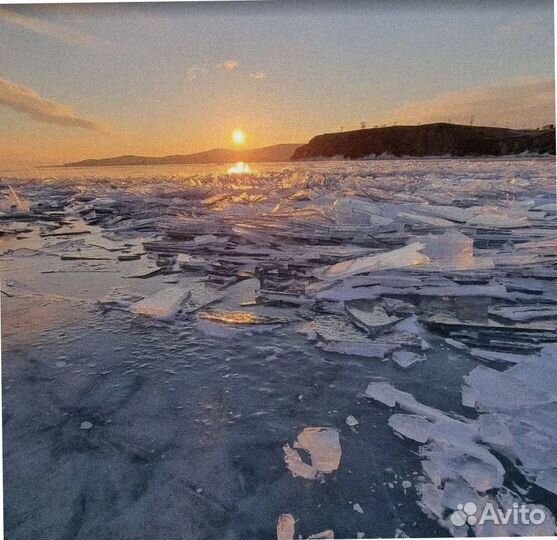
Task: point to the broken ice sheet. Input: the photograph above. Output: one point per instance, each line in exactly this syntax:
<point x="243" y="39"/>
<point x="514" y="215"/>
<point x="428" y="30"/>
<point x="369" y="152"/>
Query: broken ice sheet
<point x="524" y="400"/>
<point x="15" y="228"/>
<point x="406" y="359"/>
<point x="144" y="269"/>
<point x="457" y="490"/>
<point x="239" y="318"/>
<point x="547" y="479"/>
<point x="475" y="465"/>
<point x="348" y="210"/>
<point x="370" y="317"/>
<point x="504" y="502"/>
<point x="209" y="239"/>
<point x="456" y="344"/>
<point x="497" y="356"/>
<point x="286" y="528"/>
<point x="28" y="245"/>
<point x="411" y="426"/>
<point x="357" y="508"/>
<point x="187" y="262"/>
<point x="353" y="216"/>
<point x="494" y="432"/>
<point x="323" y="445"/>
<point x="497" y="221"/>
<point x="336" y="334"/>
<point x="325" y="535"/>
<point x="399" y="258"/>
<point x="14" y="202"/>
<point x="452" y="452"/>
<point x="452" y="213"/>
<point x="452" y="251"/>
<point x="162" y="305"/>
<point x="201" y="295"/>
<point x="243" y="292"/>
<point x="524" y="313"/>
<point x="457" y="468"/>
<point x="449" y="320"/>
<point x="496" y="391"/>
<point x="387" y="394"/>
<point x="100" y="241"/>
<point x="219" y="197"/>
<point x="432" y="221"/>
<point x="76" y="229"/>
<point x="220" y="330"/>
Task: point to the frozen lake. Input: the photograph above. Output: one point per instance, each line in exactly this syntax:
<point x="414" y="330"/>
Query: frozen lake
<point x="166" y="331"/>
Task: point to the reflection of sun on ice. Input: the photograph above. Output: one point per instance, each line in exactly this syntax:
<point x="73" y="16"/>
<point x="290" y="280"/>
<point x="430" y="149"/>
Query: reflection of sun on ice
<point x="239" y="136"/>
<point x="240" y="168"/>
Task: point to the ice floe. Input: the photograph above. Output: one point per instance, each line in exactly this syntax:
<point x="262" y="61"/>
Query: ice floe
<point x="323" y="446"/>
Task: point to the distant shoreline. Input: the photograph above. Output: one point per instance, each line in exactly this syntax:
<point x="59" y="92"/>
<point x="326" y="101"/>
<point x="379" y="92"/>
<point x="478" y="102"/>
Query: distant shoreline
<point x="426" y="141"/>
<point x="506" y="157"/>
<point x="275" y="153"/>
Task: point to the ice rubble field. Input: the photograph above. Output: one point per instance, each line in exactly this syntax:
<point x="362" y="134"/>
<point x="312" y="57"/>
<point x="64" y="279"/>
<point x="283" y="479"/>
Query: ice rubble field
<point x="338" y="349"/>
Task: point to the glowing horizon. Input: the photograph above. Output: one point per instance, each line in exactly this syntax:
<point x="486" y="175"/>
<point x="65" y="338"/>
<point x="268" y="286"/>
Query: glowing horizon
<point x="194" y="73"/>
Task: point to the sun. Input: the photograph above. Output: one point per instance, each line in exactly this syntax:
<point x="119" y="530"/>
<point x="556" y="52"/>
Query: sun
<point x="239" y="136"/>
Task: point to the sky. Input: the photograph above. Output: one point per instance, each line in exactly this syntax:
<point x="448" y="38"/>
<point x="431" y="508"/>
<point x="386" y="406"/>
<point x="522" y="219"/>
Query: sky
<point x="83" y="80"/>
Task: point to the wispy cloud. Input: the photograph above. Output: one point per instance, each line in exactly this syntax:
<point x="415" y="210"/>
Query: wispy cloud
<point x="258" y="75"/>
<point x="199" y="70"/>
<point x="25" y="100"/>
<point x="229" y="65"/>
<point x="40" y="26"/>
<point x="521" y="103"/>
<point x="194" y="72"/>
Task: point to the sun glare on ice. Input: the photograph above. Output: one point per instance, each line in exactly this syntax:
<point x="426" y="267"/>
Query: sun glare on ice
<point x="240" y="168"/>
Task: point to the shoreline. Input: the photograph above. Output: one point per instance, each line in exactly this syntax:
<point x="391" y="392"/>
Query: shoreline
<point x="321" y="160"/>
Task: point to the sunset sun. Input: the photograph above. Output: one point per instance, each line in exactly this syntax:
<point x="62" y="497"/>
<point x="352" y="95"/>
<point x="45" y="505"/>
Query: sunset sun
<point x="239" y="136"/>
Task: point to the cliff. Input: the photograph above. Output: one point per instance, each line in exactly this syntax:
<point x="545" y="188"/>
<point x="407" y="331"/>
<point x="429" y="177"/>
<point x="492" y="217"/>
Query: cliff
<point x="428" y="140"/>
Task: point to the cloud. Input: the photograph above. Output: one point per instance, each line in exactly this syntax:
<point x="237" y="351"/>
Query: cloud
<point x="258" y="75"/>
<point x="229" y="65"/>
<point x="39" y="26"/>
<point x="25" y="100"/>
<point x="198" y="70"/>
<point x="194" y="72"/>
<point x="521" y="103"/>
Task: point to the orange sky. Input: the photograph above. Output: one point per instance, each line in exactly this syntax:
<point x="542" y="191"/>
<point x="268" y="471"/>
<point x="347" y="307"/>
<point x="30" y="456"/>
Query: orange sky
<point x="81" y="81"/>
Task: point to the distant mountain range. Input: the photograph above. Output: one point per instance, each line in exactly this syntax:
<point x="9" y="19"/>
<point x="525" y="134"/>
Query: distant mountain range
<point x="428" y="140"/>
<point x="413" y="141"/>
<point x="278" y="152"/>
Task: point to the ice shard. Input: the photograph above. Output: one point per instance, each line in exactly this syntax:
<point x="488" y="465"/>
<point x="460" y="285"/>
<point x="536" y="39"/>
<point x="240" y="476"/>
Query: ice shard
<point x="161" y="305"/>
